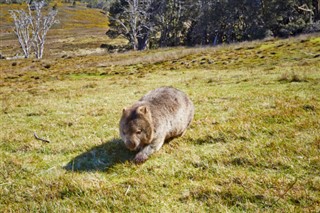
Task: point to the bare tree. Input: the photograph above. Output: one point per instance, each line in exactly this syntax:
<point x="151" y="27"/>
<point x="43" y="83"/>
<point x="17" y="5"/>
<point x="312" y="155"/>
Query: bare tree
<point x="133" y="19"/>
<point x="40" y="25"/>
<point x="31" y="28"/>
<point x="22" y="22"/>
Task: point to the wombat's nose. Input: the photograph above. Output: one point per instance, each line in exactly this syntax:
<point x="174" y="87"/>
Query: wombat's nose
<point x="130" y="145"/>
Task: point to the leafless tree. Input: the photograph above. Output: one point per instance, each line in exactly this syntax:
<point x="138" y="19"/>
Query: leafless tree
<point x="22" y="22"/>
<point x="40" y="25"/>
<point x="134" y="22"/>
<point x="31" y="28"/>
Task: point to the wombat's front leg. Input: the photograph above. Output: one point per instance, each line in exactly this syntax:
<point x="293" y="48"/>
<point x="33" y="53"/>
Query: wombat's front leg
<point x="144" y="154"/>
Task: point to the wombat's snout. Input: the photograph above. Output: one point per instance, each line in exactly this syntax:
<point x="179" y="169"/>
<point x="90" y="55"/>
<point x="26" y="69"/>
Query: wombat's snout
<point x="130" y="145"/>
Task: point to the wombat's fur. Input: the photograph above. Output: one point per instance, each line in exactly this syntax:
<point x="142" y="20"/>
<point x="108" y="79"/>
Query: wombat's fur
<point x="159" y="116"/>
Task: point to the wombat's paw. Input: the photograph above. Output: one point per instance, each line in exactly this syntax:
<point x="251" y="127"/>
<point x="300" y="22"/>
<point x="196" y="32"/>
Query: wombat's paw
<point x="140" y="158"/>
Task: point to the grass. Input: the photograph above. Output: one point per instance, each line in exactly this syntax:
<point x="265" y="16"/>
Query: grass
<point x="78" y="31"/>
<point x="254" y="144"/>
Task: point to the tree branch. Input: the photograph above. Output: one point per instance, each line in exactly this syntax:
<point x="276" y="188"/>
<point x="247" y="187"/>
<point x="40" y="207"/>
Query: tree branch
<point x="305" y="8"/>
<point x="40" y="139"/>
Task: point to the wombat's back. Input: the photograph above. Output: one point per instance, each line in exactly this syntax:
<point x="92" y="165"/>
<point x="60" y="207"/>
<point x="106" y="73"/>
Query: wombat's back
<point x="172" y="111"/>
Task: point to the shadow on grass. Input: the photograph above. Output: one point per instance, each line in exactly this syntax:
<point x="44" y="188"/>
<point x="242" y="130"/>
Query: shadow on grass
<point x="101" y="158"/>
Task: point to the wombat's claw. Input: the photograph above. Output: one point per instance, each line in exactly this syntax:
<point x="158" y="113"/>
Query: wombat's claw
<point x="140" y="158"/>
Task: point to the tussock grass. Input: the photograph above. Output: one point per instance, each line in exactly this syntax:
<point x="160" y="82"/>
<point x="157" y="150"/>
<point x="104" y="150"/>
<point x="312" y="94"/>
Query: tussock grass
<point x="253" y="146"/>
<point x="293" y="77"/>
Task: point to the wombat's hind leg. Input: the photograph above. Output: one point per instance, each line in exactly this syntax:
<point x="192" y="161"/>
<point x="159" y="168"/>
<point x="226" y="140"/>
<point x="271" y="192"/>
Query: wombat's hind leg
<point x="175" y="136"/>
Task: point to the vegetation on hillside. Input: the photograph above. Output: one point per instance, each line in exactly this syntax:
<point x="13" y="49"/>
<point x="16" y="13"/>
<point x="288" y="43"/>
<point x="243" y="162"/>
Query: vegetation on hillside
<point x="79" y="31"/>
<point x="253" y="145"/>
<point x="154" y="23"/>
<point x="32" y="26"/>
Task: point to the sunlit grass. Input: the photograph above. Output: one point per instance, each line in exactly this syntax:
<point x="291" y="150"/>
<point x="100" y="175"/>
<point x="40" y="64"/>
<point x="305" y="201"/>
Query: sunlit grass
<point x="77" y="31"/>
<point x="254" y="144"/>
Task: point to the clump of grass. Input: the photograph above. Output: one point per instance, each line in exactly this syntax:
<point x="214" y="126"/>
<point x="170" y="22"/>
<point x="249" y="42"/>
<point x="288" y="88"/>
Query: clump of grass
<point x="292" y="77"/>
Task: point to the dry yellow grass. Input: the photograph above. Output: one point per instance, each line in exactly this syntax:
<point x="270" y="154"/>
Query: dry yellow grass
<point x="253" y="146"/>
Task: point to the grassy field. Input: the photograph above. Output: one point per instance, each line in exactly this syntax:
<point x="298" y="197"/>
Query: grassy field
<point x="254" y="144"/>
<point x="79" y="31"/>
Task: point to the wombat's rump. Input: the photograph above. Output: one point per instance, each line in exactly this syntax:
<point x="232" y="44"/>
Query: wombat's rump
<point x="159" y="116"/>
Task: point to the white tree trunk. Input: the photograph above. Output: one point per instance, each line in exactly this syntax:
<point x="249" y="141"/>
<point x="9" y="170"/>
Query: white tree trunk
<point x="31" y="28"/>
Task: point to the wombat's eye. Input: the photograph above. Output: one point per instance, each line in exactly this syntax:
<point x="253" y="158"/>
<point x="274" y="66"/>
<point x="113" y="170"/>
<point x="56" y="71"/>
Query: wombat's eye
<point x="138" y="132"/>
<point x="123" y="133"/>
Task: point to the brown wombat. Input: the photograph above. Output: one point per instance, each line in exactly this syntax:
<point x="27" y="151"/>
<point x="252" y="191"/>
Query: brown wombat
<point x="159" y="116"/>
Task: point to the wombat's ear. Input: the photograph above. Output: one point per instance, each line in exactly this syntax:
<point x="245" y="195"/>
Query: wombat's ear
<point x="123" y="110"/>
<point x="142" y="109"/>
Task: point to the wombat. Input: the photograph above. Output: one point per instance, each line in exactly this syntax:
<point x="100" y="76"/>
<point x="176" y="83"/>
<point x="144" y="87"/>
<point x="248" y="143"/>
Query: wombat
<point x="159" y="116"/>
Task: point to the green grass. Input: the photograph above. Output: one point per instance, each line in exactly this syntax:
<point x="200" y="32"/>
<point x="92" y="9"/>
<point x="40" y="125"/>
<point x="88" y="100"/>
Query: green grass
<point x="254" y="144"/>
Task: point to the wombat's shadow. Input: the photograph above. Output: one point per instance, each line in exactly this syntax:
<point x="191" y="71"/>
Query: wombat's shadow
<point x="101" y="158"/>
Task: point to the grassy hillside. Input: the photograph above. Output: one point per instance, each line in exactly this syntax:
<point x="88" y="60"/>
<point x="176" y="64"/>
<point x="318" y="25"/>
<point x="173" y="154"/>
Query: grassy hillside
<point x="78" y="31"/>
<point x="254" y="144"/>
